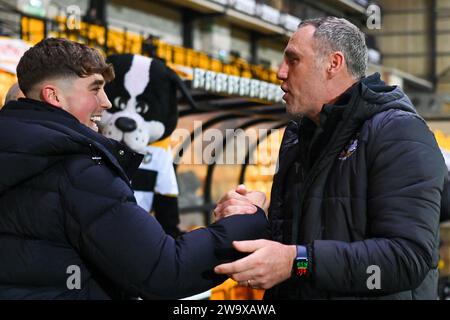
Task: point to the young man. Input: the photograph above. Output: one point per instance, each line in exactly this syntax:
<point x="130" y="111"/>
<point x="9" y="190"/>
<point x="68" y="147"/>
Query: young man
<point x="69" y="225"/>
<point x="355" y="203"/>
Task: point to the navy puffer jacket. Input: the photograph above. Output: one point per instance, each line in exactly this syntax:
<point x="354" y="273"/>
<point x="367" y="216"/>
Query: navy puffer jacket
<point x="66" y="202"/>
<point x="362" y="191"/>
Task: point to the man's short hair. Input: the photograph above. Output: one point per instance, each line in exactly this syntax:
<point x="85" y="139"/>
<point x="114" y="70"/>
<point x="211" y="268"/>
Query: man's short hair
<point x="337" y="34"/>
<point x="54" y="58"/>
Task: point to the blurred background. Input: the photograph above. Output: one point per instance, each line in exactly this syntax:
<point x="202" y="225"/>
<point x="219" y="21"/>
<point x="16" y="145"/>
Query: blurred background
<point x="408" y="40"/>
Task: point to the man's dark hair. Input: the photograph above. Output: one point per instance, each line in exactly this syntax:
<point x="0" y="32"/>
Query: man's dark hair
<point x="54" y="58"/>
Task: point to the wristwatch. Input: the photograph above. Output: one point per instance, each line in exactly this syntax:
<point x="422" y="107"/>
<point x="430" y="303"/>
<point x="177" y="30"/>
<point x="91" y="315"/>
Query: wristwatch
<point x="301" y="263"/>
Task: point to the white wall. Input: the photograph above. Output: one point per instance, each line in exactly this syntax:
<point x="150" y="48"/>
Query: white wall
<point x="271" y="51"/>
<point x="138" y="15"/>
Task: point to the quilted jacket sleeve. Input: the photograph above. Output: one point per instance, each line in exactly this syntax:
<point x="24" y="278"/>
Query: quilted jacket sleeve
<point x="406" y="174"/>
<point x="129" y="246"/>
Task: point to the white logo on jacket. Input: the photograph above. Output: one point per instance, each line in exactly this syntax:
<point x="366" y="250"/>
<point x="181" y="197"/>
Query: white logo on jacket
<point x="349" y="149"/>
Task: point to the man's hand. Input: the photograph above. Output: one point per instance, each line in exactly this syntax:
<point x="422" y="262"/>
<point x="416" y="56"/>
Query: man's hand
<point x="258" y="198"/>
<point x="239" y="201"/>
<point x="269" y="264"/>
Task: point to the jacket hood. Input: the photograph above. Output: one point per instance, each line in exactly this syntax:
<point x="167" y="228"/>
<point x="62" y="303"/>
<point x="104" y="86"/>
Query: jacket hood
<point x="374" y="97"/>
<point x="379" y="97"/>
<point x="362" y="101"/>
<point x="35" y="136"/>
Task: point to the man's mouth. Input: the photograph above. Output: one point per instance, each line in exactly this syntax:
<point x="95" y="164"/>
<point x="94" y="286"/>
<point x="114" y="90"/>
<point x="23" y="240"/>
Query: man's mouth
<point x="95" y="121"/>
<point x="96" y="118"/>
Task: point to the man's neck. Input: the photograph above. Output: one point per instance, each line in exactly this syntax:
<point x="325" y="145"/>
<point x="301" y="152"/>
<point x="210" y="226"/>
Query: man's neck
<point x="336" y="88"/>
<point x="339" y="87"/>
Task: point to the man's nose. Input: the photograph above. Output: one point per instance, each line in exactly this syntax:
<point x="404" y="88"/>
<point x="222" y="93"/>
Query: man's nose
<point x="104" y="102"/>
<point x="282" y="71"/>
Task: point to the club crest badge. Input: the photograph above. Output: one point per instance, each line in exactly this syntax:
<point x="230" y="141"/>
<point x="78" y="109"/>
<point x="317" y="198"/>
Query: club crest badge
<point x="349" y="149"/>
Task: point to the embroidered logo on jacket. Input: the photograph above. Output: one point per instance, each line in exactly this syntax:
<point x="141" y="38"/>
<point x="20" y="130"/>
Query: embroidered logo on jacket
<point x="349" y="149"/>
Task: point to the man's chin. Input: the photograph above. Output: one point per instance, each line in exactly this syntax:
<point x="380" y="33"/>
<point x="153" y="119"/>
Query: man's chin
<point x="293" y="112"/>
<point x="290" y="109"/>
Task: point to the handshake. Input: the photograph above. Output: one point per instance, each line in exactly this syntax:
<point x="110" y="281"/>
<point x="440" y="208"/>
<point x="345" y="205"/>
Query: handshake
<point x="240" y="201"/>
<point x="267" y="263"/>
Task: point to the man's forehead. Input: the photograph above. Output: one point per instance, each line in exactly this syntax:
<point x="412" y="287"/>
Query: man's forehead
<point x="96" y="76"/>
<point x="293" y="48"/>
<point x="94" y="79"/>
<point x="302" y="38"/>
<point x="303" y="34"/>
<point x="87" y="81"/>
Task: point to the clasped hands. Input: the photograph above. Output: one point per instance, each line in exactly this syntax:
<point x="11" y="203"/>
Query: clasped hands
<point x="269" y="262"/>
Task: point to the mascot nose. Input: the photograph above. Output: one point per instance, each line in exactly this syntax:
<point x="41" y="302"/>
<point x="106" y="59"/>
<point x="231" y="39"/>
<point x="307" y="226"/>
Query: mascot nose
<point x="126" y="124"/>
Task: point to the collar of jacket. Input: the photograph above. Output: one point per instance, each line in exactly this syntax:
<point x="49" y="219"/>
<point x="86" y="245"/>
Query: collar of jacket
<point x="377" y="95"/>
<point x="336" y="109"/>
<point x="296" y="128"/>
<point x="123" y="159"/>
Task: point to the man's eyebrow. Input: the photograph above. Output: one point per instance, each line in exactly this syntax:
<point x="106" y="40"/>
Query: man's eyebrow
<point x="289" y="53"/>
<point x="97" y="82"/>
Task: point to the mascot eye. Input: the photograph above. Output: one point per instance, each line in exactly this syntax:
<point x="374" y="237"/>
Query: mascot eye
<point x="142" y="107"/>
<point x="120" y="103"/>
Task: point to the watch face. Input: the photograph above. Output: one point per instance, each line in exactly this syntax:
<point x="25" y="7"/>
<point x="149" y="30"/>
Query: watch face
<point x="301" y="272"/>
<point x="301" y="266"/>
<point x="301" y="262"/>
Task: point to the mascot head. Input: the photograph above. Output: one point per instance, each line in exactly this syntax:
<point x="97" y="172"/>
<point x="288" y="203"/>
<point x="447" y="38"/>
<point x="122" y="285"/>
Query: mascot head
<point x="144" y="101"/>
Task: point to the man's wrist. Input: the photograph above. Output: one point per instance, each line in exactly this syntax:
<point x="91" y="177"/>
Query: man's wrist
<point x="301" y="264"/>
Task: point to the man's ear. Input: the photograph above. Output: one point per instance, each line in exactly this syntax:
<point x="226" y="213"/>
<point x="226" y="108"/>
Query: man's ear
<point x="336" y="63"/>
<point x="49" y="94"/>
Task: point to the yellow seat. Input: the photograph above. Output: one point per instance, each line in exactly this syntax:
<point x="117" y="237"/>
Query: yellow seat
<point x="32" y="30"/>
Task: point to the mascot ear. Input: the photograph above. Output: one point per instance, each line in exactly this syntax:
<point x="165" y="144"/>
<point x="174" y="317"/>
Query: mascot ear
<point x="162" y="96"/>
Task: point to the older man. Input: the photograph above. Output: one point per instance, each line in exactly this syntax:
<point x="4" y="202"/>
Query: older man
<point x="355" y="203"/>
